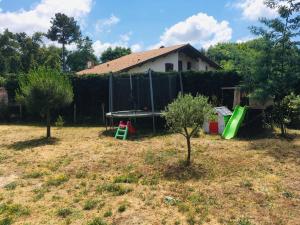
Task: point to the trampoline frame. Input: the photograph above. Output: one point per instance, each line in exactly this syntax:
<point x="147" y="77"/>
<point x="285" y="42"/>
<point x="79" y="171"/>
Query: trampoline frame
<point x="135" y="113"/>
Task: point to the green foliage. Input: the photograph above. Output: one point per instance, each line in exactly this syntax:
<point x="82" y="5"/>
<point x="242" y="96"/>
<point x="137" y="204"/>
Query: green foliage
<point x="128" y="178"/>
<point x="97" y="221"/>
<point x="44" y="90"/>
<point x="11" y="186"/>
<point x="6" y="221"/>
<point x="108" y="213"/>
<point x="122" y="208"/>
<point x="13" y="210"/>
<point x="59" y="122"/>
<point x="186" y="116"/>
<point x="279" y="65"/>
<point x="64" y="212"/>
<point x="90" y="204"/>
<point x="116" y="189"/>
<point x="244" y="221"/>
<point x="239" y="57"/>
<point x="77" y="60"/>
<point x="111" y="54"/>
<point x="57" y="180"/>
<point x="65" y="30"/>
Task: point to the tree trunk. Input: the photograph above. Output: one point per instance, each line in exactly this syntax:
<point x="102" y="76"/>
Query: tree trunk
<point x="188" y="141"/>
<point x="63" y="58"/>
<point x="48" y="125"/>
<point x="282" y="129"/>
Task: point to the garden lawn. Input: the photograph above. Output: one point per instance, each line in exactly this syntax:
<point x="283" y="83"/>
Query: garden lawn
<point x="83" y="177"/>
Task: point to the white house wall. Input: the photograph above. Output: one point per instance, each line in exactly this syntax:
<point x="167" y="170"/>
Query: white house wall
<point x="158" y="65"/>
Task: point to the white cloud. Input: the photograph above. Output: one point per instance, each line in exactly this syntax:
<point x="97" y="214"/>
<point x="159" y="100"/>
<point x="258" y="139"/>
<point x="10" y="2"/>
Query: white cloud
<point x="100" y="46"/>
<point x="104" y="25"/>
<point x="38" y="18"/>
<point x="254" y="9"/>
<point x="199" y="30"/>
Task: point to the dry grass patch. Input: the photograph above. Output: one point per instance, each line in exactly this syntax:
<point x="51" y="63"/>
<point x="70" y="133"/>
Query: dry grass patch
<point x="83" y="178"/>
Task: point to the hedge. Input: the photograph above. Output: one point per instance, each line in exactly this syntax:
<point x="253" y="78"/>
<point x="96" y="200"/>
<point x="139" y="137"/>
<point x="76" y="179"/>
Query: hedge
<point x="91" y="92"/>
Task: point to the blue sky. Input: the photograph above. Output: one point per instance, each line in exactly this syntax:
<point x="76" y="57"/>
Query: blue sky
<point x="141" y="24"/>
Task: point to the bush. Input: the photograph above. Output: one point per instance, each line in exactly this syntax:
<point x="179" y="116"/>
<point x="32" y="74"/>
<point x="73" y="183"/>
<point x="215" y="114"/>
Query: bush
<point x="59" y="122"/>
<point x="90" y="204"/>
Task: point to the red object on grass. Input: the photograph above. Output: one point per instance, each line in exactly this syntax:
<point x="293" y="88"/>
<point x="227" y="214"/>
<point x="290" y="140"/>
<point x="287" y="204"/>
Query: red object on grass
<point x="128" y="124"/>
<point x="213" y="128"/>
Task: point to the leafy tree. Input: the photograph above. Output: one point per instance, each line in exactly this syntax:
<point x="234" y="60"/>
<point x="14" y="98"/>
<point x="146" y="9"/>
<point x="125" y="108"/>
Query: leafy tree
<point x="78" y="59"/>
<point x="280" y="63"/>
<point x="186" y="116"/>
<point x="65" y="30"/>
<point x="239" y="57"/>
<point x="111" y="54"/>
<point x="44" y="90"/>
<point x="50" y="57"/>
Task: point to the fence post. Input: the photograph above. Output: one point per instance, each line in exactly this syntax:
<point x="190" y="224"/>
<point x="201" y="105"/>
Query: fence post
<point x="75" y="113"/>
<point x="152" y="100"/>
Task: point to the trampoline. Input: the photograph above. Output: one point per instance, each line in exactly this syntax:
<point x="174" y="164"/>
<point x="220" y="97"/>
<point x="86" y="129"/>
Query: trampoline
<point x="141" y="96"/>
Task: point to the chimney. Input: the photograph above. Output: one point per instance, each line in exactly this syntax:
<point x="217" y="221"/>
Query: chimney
<point x="90" y="64"/>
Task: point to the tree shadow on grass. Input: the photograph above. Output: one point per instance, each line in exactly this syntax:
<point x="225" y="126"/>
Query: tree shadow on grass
<point x="180" y="171"/>
<point x="140" y="135"/>
<point x="28" y="144"/>
<point x="281" y="148"/>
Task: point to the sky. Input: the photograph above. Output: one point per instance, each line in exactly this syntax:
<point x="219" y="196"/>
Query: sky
<point x="141" y="24"/>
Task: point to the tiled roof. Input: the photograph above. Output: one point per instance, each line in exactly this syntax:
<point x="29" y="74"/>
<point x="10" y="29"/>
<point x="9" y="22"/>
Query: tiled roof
<point x="126" y="62"/>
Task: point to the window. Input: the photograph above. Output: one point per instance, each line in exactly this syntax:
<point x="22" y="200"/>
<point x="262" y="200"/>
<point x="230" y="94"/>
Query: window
<point x="169" y="67"/>
<point x="179" y="66"/>
<point x="189" y="66"/>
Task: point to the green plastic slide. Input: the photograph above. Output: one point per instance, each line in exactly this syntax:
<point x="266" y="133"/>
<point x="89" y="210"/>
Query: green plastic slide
<point x="234" y="122"/>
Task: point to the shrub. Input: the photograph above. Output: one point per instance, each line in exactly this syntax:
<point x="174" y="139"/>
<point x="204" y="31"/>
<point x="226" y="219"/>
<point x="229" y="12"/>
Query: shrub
<point x="59" y="122"/>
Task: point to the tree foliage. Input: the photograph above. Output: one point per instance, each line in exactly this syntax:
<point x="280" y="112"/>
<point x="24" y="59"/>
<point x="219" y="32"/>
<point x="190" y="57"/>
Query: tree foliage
<point x="186" y="116"/>
<point x="111" y="54"/>
<point x="278" y="69"/>
<point x="77" y="60"/>
<point x="65" y="31"/>
<point x="43" y="90"/>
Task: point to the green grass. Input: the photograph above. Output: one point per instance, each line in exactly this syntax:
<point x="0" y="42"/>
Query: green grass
<point x="57" y="180"/>
<point x="64" y="212"/>
<point x="122" y="208"/>
<point x="90" y="204"/>
<point x="13" y="210"/>
<point x="108" y="213"/>
<point x="116" y="189"/>
<point x="97" y="221"/>
<point x="11" y="186"/>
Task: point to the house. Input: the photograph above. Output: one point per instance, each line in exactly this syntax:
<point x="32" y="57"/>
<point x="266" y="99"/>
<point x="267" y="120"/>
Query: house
<point x="165" y="59"/>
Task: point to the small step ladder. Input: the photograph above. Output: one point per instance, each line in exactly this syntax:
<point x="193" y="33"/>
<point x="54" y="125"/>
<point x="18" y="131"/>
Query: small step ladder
<point x="122" y="132"/>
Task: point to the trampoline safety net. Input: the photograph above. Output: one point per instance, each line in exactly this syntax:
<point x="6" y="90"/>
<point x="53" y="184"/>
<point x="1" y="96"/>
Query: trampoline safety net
<point x="133" y="92"/>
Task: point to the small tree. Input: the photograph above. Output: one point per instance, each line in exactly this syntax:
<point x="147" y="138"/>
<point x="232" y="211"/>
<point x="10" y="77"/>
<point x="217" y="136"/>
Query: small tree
<point x="65" y="30"/>
<point x="44" y="90"/>
<point x="186" y="116"/>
